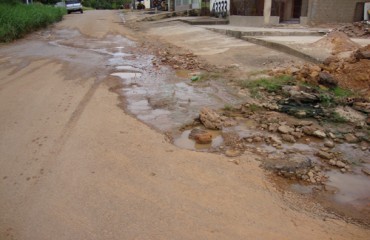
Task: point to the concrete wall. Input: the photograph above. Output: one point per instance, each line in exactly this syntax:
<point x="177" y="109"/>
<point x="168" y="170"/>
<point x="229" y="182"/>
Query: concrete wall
<point x="181" y="5"/>
<point x="147" y="4"/>
<point x="331" y="11"/>
<point x="251" y="21"/>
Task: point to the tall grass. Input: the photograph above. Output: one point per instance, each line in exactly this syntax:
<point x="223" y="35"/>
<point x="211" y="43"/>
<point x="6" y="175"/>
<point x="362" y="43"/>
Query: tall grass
<point x="16" y="20"/>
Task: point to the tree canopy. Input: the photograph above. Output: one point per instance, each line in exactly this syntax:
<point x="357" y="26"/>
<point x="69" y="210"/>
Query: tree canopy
<point x="97" y="4"/>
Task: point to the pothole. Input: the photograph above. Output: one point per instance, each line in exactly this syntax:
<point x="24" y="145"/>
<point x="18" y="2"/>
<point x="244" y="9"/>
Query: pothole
<point x="168" y="100"/>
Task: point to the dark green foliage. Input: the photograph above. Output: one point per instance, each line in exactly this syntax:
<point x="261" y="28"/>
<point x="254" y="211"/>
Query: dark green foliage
<point x="105" y="4"/>
<point x="140" y="6"/>
<point x="16" y="20"/>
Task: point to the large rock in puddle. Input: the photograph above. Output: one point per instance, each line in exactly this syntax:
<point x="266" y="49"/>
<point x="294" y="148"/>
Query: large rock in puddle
<point x="200" y="136"/>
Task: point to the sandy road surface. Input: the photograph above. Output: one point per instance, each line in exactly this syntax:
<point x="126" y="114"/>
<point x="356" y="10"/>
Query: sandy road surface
<point x="73" y="165"/>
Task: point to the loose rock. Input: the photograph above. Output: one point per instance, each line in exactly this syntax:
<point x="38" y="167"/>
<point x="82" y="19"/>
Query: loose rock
<point x="285" y="129"/>
<point x="210" y="119"/>
<point x="340" y="164"/>
<point x="327" y="80"/>
<point x="308" y="130"/>
<point x="288" y="138"/>
<point x="329" y="144"/>
<point x="350" y="138"/>
<point x="366" y="171"/>
<point x="324" y="155"/>
<point x="201" y="136"/>
<point x="232" y="152"/>
<point x="319" y="134"/>
<point x="332" y="162"/>
<point x="275" y="140"/>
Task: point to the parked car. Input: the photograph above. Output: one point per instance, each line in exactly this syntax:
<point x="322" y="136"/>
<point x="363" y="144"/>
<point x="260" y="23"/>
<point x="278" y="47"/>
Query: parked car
<point x="74" y="6"/>
<point x="71" y="6"/>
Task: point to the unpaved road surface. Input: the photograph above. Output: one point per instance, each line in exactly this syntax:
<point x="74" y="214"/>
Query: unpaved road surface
<point x="74" y="165"/>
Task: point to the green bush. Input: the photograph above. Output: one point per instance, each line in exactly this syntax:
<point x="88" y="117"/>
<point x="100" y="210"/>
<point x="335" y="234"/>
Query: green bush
<point x="342" y="93"/>
<point x="16" y="20"/>
<point x="270" y="84"/>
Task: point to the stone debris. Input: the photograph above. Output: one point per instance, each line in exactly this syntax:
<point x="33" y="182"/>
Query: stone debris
<point x="327" y="80"/>
<point x="319" y="134"/>
<point x="232" y="153"/>
<point x="212" y="120"/>
<point x="329" y="144"/>
<point x="324" y="155"/>
<point x="351" y="115"/>
<point x="366" y="171"/>
<point x="288" y="138"/>
<point x="355" y="30"/>
<point x="349" y="137"/>
<point x="285" y="129"/>
<point x="185" y="61"/>
<point x="349" y="71"/>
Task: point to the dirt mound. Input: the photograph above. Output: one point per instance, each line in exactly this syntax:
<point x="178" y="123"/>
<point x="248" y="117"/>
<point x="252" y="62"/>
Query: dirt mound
<point x="355" y="30"/>
<point x="354" y="76"/>
<point x="337" y="42"/>
<point x="351" y="73"/>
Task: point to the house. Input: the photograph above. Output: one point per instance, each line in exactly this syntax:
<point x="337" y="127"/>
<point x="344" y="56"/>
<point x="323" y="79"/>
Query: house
<point x="180" y="5"/>
<point x="262" y="12"/>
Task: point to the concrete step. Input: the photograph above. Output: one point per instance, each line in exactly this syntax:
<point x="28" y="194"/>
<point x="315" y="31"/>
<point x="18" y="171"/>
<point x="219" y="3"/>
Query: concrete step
<point x="236" y="33"/>
<point x="281" y="48"/>
<point x="206" y="21"/>
<point x="248" y="36"/>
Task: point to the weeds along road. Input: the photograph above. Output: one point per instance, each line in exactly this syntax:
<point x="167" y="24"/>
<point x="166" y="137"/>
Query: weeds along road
<point x="73" y="165"/>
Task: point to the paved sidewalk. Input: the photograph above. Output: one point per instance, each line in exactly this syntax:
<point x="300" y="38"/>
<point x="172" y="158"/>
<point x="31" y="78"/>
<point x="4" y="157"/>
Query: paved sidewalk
<point x="293" y="39"/>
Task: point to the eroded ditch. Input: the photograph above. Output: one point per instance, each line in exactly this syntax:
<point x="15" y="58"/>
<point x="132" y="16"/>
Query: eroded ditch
<point x="168" y="101"/>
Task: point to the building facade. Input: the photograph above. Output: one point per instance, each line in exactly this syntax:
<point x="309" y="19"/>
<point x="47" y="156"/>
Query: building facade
<point x="261" y="12"/>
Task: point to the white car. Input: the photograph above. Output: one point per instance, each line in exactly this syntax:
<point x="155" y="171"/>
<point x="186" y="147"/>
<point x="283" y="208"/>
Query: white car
<point x="74" y="6"/>
<point x="71" y="6"/>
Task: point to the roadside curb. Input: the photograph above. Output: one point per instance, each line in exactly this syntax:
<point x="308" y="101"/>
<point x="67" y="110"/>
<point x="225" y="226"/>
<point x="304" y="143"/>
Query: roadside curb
<point x="252" y="38"/>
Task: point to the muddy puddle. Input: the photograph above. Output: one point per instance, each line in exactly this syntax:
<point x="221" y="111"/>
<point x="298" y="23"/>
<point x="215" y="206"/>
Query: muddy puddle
<point x="343" y="191"/>
<point x="167" y="100"/>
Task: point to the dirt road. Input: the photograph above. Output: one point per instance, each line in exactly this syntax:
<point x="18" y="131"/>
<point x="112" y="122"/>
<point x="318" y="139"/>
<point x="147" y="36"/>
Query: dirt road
<point x="76" y="166"/>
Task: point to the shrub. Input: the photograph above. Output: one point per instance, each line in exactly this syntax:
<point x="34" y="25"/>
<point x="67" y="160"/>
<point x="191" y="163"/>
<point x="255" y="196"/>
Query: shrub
<point x="16" y="20"/>
<point x="342" y="93"/>
<point x="140" y="6"/>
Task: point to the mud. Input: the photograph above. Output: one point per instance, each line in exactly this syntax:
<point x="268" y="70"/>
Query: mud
<point x="177" y="102"/>
<point x="70" y="157"/>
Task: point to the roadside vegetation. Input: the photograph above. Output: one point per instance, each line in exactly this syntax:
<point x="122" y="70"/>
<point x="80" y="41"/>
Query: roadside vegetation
<point x="275" y="84"/>
<point x="300" y="99"/>
<point x="272" y="84"/>
<point x="17" y="19"/>
<point x="106" y="4"/>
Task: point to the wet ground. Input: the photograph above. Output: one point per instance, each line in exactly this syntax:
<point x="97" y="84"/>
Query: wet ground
<point x="344" y="193"/>
<point x="168" y="100"/>
<point x="76" y="166"/>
